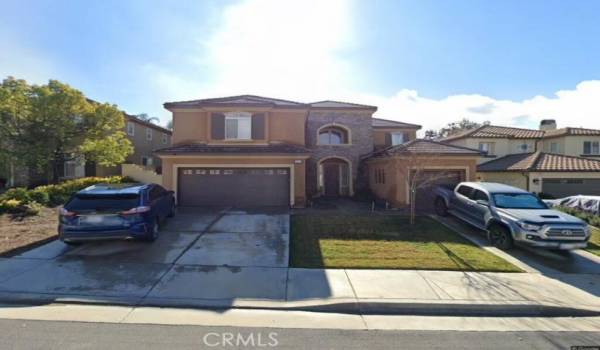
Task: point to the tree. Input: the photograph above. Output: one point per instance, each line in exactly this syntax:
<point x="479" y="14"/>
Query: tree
<point x="431" y="134"/>
<point x="170" y="124"/>
<point x="414" y="168"/>
<point x="46" y="125"/>
<point x="145" y="117"/>
<point x="456" y="127"/>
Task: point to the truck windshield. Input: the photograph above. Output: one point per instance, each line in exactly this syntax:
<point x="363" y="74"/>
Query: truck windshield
<point x="518" y="201"/>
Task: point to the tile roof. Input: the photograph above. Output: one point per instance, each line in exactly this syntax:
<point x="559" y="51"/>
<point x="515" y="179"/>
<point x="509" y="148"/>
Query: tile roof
<point x="134" y="119"/>
<point x="540" y="161"/>
<point x="422" y="146"/>
<point x="493" y="131"/>
<point x="200" y="148"/>
<point x="241" y="100"/>
<point x="338" y="104"/>
<point x="572" y="132"/>
<point x="385" y="123"/>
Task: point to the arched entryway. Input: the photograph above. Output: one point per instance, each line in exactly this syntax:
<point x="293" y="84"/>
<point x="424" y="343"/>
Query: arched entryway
<point x="335" y="177"/>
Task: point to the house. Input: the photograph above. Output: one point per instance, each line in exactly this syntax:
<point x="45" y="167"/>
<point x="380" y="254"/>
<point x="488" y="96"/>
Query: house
<point x="145" y="138"/>
<point x="257" y="151"/>
<point x="556" y="162"/>
<point x="428" y="162"/>
<point x="554" y="175"/>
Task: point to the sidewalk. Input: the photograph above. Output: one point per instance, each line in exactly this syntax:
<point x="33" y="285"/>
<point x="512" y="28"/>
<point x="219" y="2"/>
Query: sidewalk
<point x="361" y="291"/>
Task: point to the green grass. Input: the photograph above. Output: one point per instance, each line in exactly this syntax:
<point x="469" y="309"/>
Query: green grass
<point x="594" y="243"/>
<point x="385" y="242"/>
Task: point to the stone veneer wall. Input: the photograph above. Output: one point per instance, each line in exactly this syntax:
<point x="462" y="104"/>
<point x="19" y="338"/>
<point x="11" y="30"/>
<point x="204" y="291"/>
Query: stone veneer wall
<point x="361" y="129"/>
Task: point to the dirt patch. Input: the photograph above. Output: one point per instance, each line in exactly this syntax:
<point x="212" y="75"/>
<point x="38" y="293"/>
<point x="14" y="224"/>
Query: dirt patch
<point x="18" y="234"/>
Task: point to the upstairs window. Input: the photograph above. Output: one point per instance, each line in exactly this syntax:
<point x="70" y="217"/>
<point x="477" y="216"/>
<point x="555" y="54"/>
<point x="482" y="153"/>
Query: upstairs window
<point x="398" y="138"/>
<point x="487" y="147"/>
<point x="591" y="147"/>
<point x="554" y="148"/>
<point x="130" y="129"/>
<point x="238" y="126"/>
<point x="165" y="139"/>
<point x="333" y="136"/>
<point x="148" y="134"/>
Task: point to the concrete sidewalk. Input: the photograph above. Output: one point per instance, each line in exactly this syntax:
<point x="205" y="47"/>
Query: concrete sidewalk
<point x="348" y="291"/>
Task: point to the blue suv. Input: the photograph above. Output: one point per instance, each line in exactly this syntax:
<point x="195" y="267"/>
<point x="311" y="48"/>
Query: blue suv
<point x="115" y="211"/>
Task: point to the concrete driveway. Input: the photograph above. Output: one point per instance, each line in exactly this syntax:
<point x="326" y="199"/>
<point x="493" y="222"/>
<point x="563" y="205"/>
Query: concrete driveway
<point x="199" y="255"/>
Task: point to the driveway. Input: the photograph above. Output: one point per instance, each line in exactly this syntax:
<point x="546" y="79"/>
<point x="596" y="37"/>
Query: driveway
<point x="529" y="259"/>
<point x="199" y="254"/>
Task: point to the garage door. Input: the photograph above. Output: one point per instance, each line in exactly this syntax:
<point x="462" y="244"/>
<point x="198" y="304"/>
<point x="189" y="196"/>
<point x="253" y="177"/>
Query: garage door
<point x="568" y="187"/>
<point x="425" y="197"/>
<point x="246" y="187"/>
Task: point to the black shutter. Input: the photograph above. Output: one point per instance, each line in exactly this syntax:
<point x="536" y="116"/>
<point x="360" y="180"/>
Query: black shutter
<point x="258" y="126"/>
<point x="217" y="126"/>
<point x="388" y="139"/>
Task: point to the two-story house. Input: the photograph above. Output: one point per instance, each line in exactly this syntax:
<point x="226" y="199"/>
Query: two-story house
<point x="256" y="151"/>
<point x="555" y="162"/>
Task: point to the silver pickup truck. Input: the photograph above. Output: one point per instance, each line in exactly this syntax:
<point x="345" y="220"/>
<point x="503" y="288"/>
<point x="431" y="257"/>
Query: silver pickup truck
<point x="511" y="215"/>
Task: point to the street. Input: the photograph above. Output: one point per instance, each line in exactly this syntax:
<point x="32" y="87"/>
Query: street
<point x="18" y="334"/>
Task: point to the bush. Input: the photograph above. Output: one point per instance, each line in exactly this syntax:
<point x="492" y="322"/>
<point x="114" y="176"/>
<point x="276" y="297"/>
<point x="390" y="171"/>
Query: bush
<point x="22" y="200"/>
<point x="591" y="219"/>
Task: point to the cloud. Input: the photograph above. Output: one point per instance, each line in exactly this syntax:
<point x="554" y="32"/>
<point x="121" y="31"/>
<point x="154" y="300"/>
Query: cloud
<point x="579" y="107"/>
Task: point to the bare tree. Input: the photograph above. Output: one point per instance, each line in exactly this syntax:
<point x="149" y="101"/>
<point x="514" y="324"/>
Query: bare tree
<point x="418" y="175"/>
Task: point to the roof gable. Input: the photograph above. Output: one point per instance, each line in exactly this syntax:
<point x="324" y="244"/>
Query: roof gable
<point x="386" y="123"/>
<point x="494" y="131"/>
<point x="426" y="147"/>
<point x="240" y="100"/>
<point x="340" y="105"/>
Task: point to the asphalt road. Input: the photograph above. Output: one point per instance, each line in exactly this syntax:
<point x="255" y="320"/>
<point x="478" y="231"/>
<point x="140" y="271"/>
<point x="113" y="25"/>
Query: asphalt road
<point x="16" y="334"/>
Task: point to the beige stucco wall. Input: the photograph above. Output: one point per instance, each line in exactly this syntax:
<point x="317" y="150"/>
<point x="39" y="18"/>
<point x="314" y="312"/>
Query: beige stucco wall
<point x="569" y="145"/>
<point x="140" y="174"/>
<point x="143" y="147"/>
<point x="193" y="126"/>
<point x="296" y="164"/>
<point x="501" y="147"/>
<point x="515" y="179"/>
<point x="379" y="135"/>
<point x="395" y="189"/>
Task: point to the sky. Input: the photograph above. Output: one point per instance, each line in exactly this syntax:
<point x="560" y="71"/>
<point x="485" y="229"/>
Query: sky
<point x="425" y="62"/>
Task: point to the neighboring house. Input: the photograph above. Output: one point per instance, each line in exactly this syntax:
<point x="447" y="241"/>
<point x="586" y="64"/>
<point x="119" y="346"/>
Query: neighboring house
<point x="434" y="163"/>
<point x="551" y="174"/>
<point x="145" y="138"/>
<point x="577" y="142"/>
<point x="257" y="151"/>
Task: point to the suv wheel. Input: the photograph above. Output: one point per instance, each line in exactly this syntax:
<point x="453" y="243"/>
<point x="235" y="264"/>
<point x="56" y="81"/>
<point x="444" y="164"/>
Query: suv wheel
<point x="441" y="208"/>
<point x="500" y="237"/>
<point x="153" y="234"/>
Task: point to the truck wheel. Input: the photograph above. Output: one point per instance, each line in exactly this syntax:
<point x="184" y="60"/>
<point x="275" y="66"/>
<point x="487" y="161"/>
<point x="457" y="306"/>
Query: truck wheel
<point x="441" y="208"/>
<point x="500" y="237"/>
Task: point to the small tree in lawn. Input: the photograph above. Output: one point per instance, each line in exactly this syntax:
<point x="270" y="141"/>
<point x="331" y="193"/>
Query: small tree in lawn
<point x="414" y="168"/>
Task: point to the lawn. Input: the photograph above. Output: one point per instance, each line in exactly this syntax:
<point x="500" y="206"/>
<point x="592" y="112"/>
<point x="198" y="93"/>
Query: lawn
<point x="385" y="242"/>
<point x="18" y="234"/>
<point x="594" y="243"/>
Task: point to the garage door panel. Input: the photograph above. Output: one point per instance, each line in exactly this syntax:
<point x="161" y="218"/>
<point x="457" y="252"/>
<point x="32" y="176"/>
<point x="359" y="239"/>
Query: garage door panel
<point x="425" y="197"/>
<point x="571" y="186"/>
<point x="244" y="187"/>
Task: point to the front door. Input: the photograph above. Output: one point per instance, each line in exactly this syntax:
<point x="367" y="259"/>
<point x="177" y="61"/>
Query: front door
<point x="331" y="174"/>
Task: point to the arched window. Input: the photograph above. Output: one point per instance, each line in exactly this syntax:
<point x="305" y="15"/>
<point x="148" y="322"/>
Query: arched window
<point x="333" y="135"/>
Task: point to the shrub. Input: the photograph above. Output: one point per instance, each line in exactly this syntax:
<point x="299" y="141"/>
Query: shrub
<point x="26" y="201"/>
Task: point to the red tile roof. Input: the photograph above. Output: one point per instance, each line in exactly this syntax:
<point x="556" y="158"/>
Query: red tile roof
<point x="493" y="131"/>
<point x="386" y="123"/>
<point x="237" y="101"/>
<point x="422" y="146"/>
<point x="542" y="162"/>
<point x="337" y="104"/>
<point x="571" y="132"/>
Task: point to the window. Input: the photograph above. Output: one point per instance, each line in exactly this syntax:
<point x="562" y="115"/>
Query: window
<point x="146" y="161"/>
<point x="70" y="166"/>
<point x="480" y="196"/>
<point x="148" y="134"/>
<point x="591" y="147"/>
<point x="380" y="176"/>
<point x="238" y="126"/>
<point x="87" y="202"/>
<point x="398" y="138"/>
<point x="518" y="201"/>
<point x="333" y="136"/>
<point x="130" y="129"/>
<point x="523" y="147"/>
<point x="465" y="190"/>
<point x="487" y="147"/>
<point x="165" y="139"/>
<point x="554" y="148"/>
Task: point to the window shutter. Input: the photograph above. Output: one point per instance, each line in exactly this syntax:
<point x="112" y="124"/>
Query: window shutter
<point x="258" y="126"/>
<point x="406" y="137"/>
<point x="388" y="139"/>
<point x="217" y="125"/>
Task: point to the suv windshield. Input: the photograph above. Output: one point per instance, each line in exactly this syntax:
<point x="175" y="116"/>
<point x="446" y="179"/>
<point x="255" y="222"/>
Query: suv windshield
<point x="518" y="201"/>
<point x="103" y="202"/>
